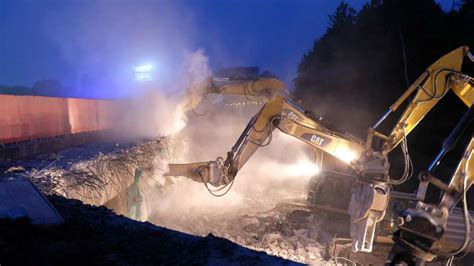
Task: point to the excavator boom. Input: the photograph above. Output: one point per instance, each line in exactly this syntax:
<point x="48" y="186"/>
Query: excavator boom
<point x="429" y="89"/>
<point x="293" y="120"/>
<point x="252" y="88"/>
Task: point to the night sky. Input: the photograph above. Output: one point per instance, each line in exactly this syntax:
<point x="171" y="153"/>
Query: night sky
<point x="65" y="40"/>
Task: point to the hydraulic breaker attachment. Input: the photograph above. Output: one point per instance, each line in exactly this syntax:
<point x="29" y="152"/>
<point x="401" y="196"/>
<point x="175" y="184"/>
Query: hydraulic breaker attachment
<point x="213" y="172"/>
<point x="367" y="207"/>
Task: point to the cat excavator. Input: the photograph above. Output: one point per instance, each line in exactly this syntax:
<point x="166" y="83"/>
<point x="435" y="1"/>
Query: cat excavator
<point x="423" y="229"/>
<point x="367" y="159"/>
<point x="241" y="81"/>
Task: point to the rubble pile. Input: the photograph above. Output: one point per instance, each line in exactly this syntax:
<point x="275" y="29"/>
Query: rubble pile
<point x="292" y="234"/>
<point x="260" y="225"/>
<point x="272" y="232"/>
<point x="256" y="221"/>
<point x="94" y="173"/>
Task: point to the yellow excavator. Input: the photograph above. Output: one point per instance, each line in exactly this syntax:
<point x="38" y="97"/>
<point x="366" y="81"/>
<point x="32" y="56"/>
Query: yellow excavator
<point x="242" y="81"/>
<point x="424" y="230"/>
<point x="369" y="162"/>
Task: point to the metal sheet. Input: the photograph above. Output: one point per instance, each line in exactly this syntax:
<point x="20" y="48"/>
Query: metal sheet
<point x="21" y="196"/>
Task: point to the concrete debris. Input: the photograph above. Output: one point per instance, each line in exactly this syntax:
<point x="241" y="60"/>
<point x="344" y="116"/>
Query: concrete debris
<point x="15" y="169"/>
<point x="94" y="174"/>
<point x="263" y="231"/>
<point x="251" y="220"/>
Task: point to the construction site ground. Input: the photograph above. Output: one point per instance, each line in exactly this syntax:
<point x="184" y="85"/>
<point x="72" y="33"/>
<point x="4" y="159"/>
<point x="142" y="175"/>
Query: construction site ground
<point x="97" y="236"/>
<point x="264" y="232"/>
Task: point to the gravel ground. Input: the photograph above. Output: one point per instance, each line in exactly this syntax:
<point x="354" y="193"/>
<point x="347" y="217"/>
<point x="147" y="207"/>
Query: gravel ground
<point x="261" y="230"/>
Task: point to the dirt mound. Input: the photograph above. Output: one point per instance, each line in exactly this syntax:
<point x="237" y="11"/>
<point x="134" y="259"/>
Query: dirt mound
<point x="97" y="236"/>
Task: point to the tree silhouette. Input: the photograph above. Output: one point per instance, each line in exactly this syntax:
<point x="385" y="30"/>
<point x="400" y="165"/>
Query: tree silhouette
<point x="364" y="60"/>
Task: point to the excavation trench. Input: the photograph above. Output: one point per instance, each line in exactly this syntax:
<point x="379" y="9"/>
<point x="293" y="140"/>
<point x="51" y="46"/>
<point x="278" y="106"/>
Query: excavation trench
<point x="253" y="214"/>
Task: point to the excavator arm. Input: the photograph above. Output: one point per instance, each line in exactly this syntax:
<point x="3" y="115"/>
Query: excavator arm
<point x="462" y="179"/>
<point x="430" y="87"/>
<point x="291" y="119"/>
<point x="252" y="88"/>
<point x="369" y="204"/>
<point x="421" y="232"/>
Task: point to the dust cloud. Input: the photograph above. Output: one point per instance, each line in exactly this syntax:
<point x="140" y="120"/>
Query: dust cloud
<point x="156" y="112"/>
<point x="163" y="108"/>
<point x="276" y="172"/>
<point x="249" y="213"/>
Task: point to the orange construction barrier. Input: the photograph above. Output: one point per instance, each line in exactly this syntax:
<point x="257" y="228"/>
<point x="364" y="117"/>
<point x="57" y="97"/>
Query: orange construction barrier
<point x="30" y="117"/>
<point x="83" y="115"/>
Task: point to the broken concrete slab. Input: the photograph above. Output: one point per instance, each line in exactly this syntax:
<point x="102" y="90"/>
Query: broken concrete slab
<point x="19" y="198"/>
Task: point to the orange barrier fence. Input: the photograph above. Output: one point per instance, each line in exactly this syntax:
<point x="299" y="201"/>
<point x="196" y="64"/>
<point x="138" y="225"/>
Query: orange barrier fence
<point x="31" y="117"/>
